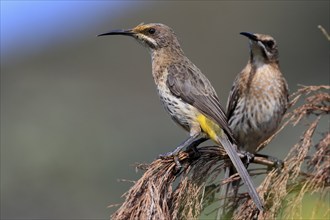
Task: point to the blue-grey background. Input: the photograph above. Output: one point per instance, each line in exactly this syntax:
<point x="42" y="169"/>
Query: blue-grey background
<point x="77" y="111"/>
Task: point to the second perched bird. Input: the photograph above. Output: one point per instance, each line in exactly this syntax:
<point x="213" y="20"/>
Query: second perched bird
<point x="258" y="98"/>
<point x="187" y="94"/>
<point x="259" y="95"/>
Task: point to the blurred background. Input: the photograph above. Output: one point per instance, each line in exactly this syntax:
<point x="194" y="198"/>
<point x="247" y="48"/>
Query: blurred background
<point x="78" y="111"/>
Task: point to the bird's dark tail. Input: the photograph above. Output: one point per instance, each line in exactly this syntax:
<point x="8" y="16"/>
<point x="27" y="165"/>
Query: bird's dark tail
<point x="217" y="134"/>
<point x="238" y="164"/>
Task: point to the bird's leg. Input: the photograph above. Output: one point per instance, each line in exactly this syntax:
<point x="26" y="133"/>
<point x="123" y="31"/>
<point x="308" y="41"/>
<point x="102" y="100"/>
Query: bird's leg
<point x="277" y="163"/>
<point x="191" y="143"/>
<point x="193" y="147"/>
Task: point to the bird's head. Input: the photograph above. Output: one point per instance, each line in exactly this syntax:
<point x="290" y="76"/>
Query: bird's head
<point x="153" y="35"/>
<point x="263" y="47"/>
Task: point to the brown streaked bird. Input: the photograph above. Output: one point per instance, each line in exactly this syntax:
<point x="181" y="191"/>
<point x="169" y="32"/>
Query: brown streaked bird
<point x="187" y="95"/>
<point x="258" y="98"/>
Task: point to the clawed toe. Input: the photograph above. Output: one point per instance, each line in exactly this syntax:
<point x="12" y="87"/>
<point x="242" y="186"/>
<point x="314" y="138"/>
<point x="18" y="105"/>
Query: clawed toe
<point x="278" y="164"/>
<point x="248" y="157"/>
<point x="174" y="156"/>
<point x="166" y="155"/>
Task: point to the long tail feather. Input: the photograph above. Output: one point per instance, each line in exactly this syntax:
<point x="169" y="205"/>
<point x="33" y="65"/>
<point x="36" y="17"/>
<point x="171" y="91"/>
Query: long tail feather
<point x="230" y="149"/>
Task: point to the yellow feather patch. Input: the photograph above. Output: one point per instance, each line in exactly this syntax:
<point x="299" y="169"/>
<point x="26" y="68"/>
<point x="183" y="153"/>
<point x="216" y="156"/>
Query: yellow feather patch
<point x="211" y="128"/>
<point x="141" y="27"/>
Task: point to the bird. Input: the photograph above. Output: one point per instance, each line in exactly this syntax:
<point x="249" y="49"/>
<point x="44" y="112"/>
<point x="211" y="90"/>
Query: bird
<point x="258" y="98"/>
<point x="187" y="95"/>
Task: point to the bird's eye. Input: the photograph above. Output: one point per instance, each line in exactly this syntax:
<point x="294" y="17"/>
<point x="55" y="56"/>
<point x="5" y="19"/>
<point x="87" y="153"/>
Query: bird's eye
<point x="269" y="43"/>
<point x="151" y="30"/>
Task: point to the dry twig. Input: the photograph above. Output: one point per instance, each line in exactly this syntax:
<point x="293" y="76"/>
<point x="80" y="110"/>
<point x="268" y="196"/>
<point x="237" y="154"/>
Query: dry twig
<point x="325" y="33"/>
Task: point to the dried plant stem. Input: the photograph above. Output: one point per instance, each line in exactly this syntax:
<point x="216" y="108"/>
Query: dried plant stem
<point x="324" y="32"/>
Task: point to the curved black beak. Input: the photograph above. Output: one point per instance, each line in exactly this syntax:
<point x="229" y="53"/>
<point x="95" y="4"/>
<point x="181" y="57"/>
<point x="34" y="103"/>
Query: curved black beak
<point x="250" y="36"/>
<point x="128" y="32"/>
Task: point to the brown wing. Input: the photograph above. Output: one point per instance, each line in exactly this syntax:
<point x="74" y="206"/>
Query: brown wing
<point x="188" y="83"/>
<point x="285" y="100"/>
<point x="232" y="100"/>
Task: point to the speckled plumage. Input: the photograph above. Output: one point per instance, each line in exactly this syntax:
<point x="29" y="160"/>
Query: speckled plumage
<point x="259" y="96"/>
<point x="257" y="101"/>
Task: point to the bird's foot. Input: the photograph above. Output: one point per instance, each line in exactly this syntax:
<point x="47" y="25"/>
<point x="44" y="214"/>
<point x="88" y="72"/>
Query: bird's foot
<point x="247" y="156"/>
<point x="277" y="163"/>
<point x="169" y="154"/>
<point x="174" y="155"/>
<point x="191" y="143"/>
